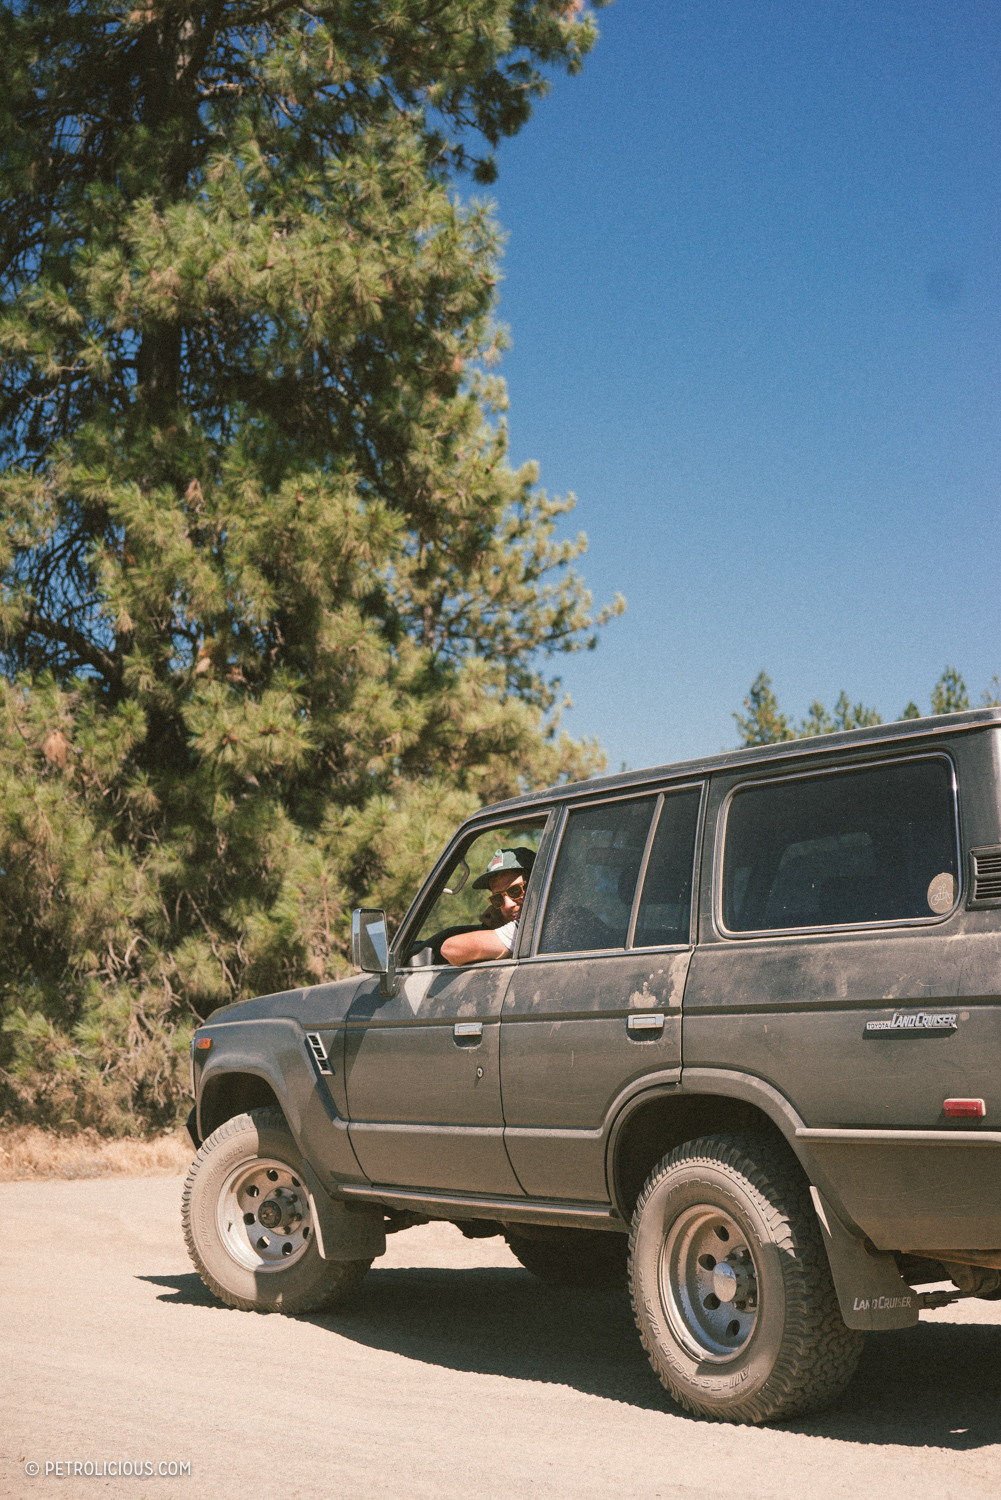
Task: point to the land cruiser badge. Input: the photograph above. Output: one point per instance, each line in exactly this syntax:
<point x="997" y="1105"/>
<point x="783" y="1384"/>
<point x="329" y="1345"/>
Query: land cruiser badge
<point x="919" y="1020"/>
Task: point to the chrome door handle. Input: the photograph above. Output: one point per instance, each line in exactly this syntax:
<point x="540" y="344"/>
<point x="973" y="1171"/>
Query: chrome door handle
<point x="645" y="1022"/>
<point x="465" y="1030"/>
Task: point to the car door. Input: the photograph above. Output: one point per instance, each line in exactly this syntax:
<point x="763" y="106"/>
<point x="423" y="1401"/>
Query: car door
<point x="422" y="1069"/>
<point x="596" y="1002"/>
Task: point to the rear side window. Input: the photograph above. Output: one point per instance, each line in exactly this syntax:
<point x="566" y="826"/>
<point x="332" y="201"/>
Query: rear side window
<point x="873" y="845"/>
<point x="603" y="854"/>
<point x="664" y="915"/>
<point x="591" y="896"/>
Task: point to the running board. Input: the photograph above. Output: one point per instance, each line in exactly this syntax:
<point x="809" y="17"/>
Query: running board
<point x="506" y="1210"/>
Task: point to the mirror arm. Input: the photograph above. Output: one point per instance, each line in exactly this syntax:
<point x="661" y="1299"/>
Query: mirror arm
<point x="388" y="978"/>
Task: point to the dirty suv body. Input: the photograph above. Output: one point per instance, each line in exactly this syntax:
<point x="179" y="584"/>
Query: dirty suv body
<point x="744" y="1052"/>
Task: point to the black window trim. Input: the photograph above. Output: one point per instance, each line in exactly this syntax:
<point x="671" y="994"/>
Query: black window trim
<point x="934" y="920"/>
<point x="658" y="795"/>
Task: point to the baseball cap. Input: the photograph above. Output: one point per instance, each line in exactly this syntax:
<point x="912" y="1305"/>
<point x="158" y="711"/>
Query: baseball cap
<point x="504" y="862"/>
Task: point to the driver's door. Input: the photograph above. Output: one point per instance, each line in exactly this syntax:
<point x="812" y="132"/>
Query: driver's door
<point x="422" y="1067"/>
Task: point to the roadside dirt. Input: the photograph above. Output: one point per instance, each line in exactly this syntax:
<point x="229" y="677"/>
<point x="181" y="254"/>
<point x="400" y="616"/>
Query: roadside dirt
<point x="453" y="1373"/>
<point x="28" y="1154"/>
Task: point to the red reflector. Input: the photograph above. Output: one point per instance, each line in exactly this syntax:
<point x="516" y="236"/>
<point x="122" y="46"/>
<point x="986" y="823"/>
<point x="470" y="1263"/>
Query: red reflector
<point x="203" y="1043"/>
<point x="964" y="1109"/>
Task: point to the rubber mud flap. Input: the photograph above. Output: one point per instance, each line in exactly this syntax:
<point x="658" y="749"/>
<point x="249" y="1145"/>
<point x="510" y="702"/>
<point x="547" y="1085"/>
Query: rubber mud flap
<point x="345" y="1231"/>
<point x="871" y="1292"/>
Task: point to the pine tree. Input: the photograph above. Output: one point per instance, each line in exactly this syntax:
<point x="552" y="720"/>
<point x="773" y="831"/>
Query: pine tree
<point x="949" y="695"/>
<point x="273" y="601"/>
<point x="763" y="723"/>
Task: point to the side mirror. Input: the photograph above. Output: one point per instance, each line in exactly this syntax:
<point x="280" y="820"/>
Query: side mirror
<point x="370" y="947"/>
<point x="369" y="940"/>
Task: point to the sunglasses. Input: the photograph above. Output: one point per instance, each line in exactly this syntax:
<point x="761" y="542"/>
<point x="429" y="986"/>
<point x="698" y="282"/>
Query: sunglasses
<point x="514" y="892"/>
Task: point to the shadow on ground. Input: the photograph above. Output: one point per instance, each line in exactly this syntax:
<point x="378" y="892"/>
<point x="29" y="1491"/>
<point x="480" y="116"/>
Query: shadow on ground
<point x="937" y="1385"/>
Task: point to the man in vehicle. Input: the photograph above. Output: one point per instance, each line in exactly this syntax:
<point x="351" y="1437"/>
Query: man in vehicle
<point x="506" y="878"/>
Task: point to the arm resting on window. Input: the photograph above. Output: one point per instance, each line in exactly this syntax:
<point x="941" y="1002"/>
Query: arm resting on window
<point x="474" y="947"/>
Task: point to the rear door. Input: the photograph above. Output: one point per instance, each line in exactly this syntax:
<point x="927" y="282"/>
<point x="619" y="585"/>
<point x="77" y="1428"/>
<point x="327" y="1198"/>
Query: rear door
<point x="596" y="1002"/>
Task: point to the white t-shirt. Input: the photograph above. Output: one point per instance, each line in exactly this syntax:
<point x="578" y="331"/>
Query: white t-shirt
<point x="507" y="934"/>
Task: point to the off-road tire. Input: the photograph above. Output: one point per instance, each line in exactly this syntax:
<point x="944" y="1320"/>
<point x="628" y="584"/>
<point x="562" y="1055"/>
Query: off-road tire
<point x="773" y="1344"/>
<point x="571" y="1257"/>
<point x="248" y="1151"/>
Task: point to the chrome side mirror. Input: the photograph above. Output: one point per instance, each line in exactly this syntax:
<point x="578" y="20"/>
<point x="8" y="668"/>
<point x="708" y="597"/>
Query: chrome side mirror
<point x="369" y="940"/>
<point x="370" y="945"/>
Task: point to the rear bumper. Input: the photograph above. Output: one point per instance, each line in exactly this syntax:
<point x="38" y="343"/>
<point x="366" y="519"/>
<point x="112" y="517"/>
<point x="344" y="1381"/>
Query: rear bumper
<point x="915" y="1189"/>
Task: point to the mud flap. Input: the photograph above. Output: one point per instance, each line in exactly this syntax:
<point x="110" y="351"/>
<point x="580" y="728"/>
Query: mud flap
<point x="872" y="1293"/>
<point x="344" y="1231"/>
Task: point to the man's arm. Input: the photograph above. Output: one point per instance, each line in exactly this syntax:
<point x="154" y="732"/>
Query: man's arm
<point x="474" y="947"/>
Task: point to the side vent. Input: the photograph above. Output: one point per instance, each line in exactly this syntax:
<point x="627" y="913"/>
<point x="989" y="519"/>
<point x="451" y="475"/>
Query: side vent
<point x="320" y="1052"/>
<point x="985" y="877"/>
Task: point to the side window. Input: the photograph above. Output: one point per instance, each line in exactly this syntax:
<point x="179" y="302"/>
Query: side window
<point x="843" y="848"/>
<point x="456" y="905"/>
<point x="664" y="915"/>
<point x="591" y="895"/>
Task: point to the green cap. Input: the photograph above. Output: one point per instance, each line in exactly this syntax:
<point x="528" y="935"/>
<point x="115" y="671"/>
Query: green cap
<point x="505" y="862"/>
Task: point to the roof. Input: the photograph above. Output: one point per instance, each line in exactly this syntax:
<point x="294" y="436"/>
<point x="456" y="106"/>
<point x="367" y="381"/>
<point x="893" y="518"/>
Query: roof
<point x="880" y="735"/>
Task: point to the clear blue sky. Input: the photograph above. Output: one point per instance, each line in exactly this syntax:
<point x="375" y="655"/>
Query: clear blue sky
<point x="752" y="286"/>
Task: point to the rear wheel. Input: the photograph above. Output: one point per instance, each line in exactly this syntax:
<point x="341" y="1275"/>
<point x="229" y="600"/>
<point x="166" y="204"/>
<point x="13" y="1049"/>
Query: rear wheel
<point x="570" y="1257"/>
<point x="248" y="1224"/>
<point x="731" y="1287"/>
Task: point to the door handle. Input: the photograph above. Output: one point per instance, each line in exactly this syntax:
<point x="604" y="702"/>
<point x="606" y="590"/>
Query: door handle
<point x="646" y="1022"/>
<point x="467" y="1031"/>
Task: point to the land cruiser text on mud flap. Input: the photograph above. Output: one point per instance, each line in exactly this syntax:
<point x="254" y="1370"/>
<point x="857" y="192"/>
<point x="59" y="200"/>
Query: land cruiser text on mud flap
<point x="745" y="1049"/>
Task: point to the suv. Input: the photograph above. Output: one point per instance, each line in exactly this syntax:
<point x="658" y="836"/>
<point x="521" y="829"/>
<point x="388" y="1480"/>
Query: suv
<point x="744" y="1051"/>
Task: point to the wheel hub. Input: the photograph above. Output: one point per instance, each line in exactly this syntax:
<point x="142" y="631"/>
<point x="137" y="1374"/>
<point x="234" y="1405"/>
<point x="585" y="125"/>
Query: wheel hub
<point x="264" y="1217"/>
<point x="709" y="1283"/>
<point x="281" y="1211"/>
<point x="733" y="1279"/>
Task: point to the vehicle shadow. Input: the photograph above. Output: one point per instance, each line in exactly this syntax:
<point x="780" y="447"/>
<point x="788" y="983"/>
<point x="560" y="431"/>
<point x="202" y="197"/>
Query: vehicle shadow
<point x="937" y="1385"/>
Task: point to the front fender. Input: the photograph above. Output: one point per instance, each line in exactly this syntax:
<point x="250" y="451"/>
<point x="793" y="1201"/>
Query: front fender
<point x="275" y="1051"/>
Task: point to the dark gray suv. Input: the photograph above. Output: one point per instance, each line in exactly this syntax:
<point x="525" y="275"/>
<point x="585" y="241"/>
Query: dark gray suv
<point x="744" y="1052"/>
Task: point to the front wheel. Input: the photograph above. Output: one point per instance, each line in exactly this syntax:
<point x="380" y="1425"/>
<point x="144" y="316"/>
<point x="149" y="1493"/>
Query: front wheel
<point x="248" y="1224"/>
<point x="731" y="1288"/>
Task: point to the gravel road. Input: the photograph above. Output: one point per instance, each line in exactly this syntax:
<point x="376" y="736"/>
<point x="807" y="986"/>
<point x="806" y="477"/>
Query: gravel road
<point x="453" y="1373"/>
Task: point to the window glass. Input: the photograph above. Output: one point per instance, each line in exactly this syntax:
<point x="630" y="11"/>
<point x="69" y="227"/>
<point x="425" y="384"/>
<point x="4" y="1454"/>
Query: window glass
<point x="873" y="845"/>
<point x="664" y="914"/>
<point x="591" y="895"/>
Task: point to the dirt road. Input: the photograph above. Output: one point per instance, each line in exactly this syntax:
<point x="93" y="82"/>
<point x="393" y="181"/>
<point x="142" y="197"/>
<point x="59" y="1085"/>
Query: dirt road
<point x="453" y="1373"/>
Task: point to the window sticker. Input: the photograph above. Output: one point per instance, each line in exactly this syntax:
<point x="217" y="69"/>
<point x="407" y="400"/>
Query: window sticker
<point x="942" y="893"/>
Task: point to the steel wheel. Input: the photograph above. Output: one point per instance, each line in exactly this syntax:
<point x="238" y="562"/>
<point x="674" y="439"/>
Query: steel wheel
<point x="248" y="1223"/>
<point x="264" y="1218"/>
<point x="709" y="1283"/>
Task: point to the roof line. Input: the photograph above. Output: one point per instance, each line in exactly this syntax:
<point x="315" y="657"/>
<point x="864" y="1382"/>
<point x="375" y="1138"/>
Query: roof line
<point x="878" y="734"/>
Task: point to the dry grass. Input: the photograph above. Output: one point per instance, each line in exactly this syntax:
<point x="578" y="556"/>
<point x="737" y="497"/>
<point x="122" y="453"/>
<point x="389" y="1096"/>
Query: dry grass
<point x="27" y="1152"/>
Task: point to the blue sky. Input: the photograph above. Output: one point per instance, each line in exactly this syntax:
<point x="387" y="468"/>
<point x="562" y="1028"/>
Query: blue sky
<point x="752" y="286"/>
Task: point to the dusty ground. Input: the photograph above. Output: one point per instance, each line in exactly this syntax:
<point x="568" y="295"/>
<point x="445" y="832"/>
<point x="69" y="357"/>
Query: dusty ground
<point x="453" y="1373"/>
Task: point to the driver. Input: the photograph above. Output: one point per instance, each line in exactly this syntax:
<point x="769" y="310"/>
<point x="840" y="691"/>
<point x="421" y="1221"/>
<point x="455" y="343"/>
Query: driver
<point x="506" y="877"/>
